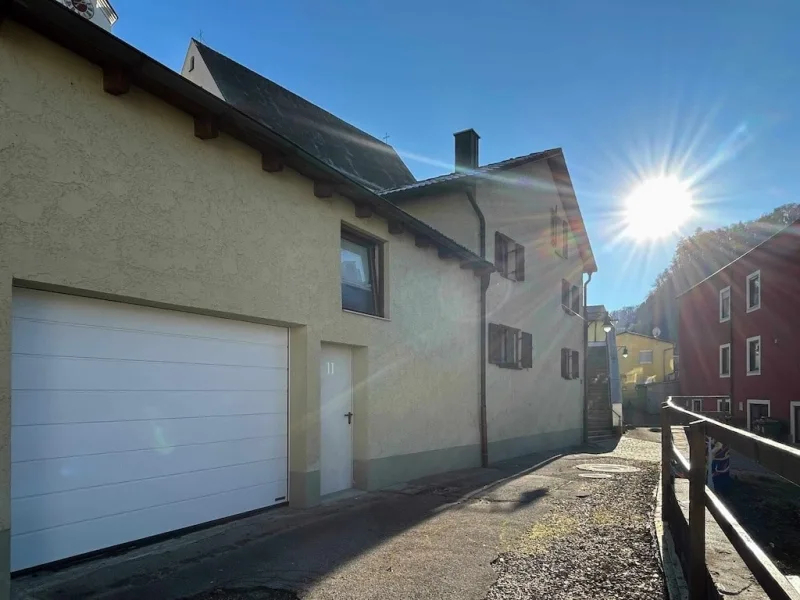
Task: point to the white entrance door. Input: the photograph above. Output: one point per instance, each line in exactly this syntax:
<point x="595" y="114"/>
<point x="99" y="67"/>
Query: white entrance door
<point x="336" y="407"/>
<point x="129" y="422"/>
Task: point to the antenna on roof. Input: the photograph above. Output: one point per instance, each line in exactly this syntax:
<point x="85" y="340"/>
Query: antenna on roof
<point x="200" y="36"/>
<point x="385" y="138"/>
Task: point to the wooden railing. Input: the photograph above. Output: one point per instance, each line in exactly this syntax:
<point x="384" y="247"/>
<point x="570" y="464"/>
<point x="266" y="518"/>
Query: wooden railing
<point x="690" y="538"/>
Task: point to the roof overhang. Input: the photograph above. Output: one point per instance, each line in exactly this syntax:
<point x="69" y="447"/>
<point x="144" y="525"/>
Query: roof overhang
<point x="102" y="48"/>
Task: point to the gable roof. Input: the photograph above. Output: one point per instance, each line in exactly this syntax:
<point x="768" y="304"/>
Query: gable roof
<point x="370" y="161"/>
<point x="123" y="64"/>
<point x="795" y="223"/>
<point x="558" y="167"/>
<point x="595" y="312"/>
<point x="411" y="190"/>
<point x="649" y="337"/>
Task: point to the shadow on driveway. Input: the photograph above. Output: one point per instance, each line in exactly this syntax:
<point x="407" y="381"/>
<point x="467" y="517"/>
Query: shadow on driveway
<point x="436" y="535"/>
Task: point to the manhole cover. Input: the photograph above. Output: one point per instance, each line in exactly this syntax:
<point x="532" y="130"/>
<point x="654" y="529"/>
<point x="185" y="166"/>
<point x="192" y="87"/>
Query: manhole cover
<point x="606" y="468"/>
<point x="595" y="475"/>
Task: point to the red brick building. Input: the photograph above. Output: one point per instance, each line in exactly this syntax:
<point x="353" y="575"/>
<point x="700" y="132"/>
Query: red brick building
<point x="739" y="334"/>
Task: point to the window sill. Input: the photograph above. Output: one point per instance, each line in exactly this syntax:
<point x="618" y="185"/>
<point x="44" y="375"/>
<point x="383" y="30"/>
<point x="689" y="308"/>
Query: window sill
<point x="509" y="277"/>
<point x="753" y="308"/>
<point x="721" y="376"/>
<point x="749" y="373"/>
<point x="725" y="320"/>
<point x="511" y="366"/>
<point x="360" y="314"/>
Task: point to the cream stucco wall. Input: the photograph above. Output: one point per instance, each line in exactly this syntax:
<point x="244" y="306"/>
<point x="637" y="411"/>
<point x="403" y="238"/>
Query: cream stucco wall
<point x="536" y="408"/>
<point x="527" y="410"/>
<point x="115" y="197"/>
<point x="451" y="213"/>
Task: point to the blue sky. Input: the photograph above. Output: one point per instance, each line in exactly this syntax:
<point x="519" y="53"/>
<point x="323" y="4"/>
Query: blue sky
<point x="705" y="90"/>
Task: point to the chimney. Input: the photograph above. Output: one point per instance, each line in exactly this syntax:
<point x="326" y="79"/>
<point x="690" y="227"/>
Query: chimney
<point x="466" y="150"/>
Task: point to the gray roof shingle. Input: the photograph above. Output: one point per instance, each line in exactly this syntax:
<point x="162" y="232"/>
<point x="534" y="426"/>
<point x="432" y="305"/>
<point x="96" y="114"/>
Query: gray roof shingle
<point x="334" y="141"/>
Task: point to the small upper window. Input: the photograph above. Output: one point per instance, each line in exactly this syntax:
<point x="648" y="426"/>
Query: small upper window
<point x="559" y="233"/>
<point x="724" y="304"/>
<point x="697" y="405"/>
<point x="754" y="291"/>
<point x="754" y="355"/>
<point x="191" y="63"/>
<point x="509" y="257"/>
<point x="725" y="360"/>
<point x="362" y="279"/>
<point x="645" y="357"/>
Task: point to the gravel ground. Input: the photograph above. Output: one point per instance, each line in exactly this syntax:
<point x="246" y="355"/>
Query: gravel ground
<point x="594" y="544"/>
<point x="246" y="594"/>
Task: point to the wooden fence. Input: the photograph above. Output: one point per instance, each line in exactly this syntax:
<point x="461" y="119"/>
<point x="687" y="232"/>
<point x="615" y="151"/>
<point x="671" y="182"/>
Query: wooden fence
<point x="690" y="538"/>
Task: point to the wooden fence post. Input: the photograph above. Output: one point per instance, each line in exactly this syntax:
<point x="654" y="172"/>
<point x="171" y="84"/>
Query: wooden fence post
<point x="697" y="511"/>
<point x="666" y="462"/>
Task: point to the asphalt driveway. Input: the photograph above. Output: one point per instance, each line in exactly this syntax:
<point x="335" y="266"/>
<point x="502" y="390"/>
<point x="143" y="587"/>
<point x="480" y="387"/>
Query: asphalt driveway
<point x="450" y="536"/>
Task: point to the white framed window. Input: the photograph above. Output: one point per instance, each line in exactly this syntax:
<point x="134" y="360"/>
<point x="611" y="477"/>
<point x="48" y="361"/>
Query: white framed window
<point x="754" y="355"/>
<point x="724" y="405"/>
<point x="725" y="360"/>
<point x="756" y="409"/>
<point x="645" y="357"/>
<point x="697" y="405"/>
<point x="754" y="291"/>
<point x="725" y="304"/>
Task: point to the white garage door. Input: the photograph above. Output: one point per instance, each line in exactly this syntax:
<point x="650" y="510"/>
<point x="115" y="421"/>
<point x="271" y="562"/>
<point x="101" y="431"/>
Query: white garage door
<point x="128" y="422"/>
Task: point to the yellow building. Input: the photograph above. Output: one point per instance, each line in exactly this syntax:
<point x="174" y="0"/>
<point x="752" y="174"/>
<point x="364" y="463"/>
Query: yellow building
<point x="648" y="359"/>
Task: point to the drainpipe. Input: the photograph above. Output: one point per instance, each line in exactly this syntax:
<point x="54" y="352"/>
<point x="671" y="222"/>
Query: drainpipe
<point x="483" y="425"/>
<point x="586" y="361"/>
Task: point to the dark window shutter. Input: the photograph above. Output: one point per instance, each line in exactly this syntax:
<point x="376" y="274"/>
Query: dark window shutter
<point x="499" y="253"/>
<point x="495" y="339"/>
<point x="527" y="351"/>
<point x="564" y="363"/>
<point x="565" y="293"/>
<point x="553" y="227"/>
<point x="576" y="369"/>
<point x="520" y="268"/>
<point x="576" y="300"/>
<point x="565" y="238"/>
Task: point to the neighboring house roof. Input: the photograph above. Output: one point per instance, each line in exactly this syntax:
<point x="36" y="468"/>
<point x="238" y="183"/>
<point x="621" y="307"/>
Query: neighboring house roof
<point x="124" y="63"/>
<point x="738" y="258"/>
<point x="595" y="312"/>
<point x="649" y="337"/>
<point x="343" y="146"/>
<point x="558" y="166"/>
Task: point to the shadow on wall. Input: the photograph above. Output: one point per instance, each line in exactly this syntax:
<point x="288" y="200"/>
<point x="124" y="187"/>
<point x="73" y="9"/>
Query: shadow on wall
<point x="292" y="549"/>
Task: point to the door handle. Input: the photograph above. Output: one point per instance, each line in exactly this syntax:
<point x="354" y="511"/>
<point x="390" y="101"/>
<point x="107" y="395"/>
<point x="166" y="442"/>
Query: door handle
<point x="349" y="416"/>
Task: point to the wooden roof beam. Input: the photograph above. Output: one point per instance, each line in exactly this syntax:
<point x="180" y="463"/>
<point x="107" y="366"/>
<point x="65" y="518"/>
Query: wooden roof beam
<point x="363" y="210"/>
<point x="323" y="189"/>
<point x="206" y="127"/>
<point x="272" y="161"/>
<point x="116" y="81"/>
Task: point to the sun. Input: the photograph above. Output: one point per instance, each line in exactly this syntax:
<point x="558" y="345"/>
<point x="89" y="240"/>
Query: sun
<point x="657" y="208"/>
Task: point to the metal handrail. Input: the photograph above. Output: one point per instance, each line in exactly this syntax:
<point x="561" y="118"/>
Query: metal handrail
<point x="777" y="457"/>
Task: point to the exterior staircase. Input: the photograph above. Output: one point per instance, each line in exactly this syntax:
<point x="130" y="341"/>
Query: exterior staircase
<point x="600" y="424"/>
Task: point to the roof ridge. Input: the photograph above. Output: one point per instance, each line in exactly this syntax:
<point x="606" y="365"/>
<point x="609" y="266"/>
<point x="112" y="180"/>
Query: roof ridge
<point x="256" y="73"/>
<point x="480" y="170"/>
